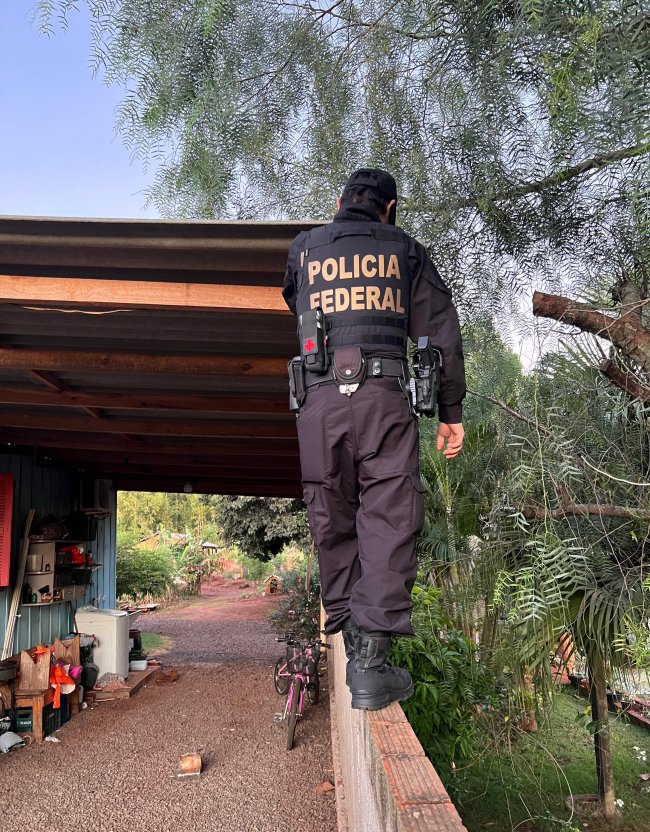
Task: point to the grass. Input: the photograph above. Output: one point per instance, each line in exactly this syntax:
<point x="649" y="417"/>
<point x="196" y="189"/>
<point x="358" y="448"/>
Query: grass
<point x="153" y="643"/>
<point x="524" y="776"/>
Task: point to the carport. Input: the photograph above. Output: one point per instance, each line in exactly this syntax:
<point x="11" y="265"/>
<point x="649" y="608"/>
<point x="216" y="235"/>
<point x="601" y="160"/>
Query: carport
<point x="136" y="355"/>
<point x="150" y="353"/>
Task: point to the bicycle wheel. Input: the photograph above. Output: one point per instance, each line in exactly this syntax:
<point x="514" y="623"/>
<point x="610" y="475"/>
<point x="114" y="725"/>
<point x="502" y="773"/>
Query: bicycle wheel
<point x="293" y="714"/>
<point x="313" y="689"/>
<point x="281" y="682"/>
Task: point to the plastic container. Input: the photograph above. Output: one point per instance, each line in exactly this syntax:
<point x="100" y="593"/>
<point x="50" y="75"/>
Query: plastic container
<point x="65" y="707"/>
<point x="138" y="664"/>
<point x="22" y="720"/>
<point x="51" y="720"/>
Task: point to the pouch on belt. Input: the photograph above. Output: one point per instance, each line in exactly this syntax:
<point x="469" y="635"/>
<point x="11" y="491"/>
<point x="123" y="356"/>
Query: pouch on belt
<point x="349" y="366"/>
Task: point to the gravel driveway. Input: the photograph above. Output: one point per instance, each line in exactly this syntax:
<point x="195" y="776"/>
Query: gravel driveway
<point x="114" y="769"/>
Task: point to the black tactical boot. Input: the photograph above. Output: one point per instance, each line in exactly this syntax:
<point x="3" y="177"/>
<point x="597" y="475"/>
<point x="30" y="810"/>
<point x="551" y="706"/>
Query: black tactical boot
<point x="349" y="632"/>
<point x="372" y="683"/>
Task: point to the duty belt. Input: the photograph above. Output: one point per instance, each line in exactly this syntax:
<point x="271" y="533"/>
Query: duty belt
<point x="378" y="367"/>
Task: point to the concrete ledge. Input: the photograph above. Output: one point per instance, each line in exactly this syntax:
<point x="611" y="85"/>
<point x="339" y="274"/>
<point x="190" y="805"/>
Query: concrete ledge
<point x="384" y="782"/>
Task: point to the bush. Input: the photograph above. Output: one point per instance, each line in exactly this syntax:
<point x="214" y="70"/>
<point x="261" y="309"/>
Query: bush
<point x="450" y="686"/>
<point x="143" y="571"/>
<point x="298" y="611"/>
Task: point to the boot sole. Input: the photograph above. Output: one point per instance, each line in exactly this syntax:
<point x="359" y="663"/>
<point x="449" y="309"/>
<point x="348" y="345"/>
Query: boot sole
<point x="375" y="702"/>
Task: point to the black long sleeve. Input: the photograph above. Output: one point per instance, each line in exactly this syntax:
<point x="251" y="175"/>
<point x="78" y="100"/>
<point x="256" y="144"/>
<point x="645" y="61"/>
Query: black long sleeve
<point x="433" y="313"/>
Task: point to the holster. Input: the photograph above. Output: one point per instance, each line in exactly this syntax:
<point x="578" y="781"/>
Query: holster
<point x="297" y="389"/>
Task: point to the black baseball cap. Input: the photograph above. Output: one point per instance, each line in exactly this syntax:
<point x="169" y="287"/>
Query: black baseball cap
<point x="375" y="178"/>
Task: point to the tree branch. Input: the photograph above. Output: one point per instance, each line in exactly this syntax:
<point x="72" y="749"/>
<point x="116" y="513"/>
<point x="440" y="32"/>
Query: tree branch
<point x="560" y="177"/>
<point x="628" y="383"/>
<point x="626" y="332"/>
<point x="586" y="510"/>
<point x="512" y="412"/>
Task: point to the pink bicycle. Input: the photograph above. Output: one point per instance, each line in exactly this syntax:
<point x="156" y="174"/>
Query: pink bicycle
<point x="295" y="673"/>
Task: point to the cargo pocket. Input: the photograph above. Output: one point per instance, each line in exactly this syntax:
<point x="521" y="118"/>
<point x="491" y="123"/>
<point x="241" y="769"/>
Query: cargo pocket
<point x="308" y="496"/>
<point x="417" y="504"/>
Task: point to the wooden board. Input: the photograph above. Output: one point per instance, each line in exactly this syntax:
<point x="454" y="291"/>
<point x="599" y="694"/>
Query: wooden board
<point x="135" y="680"/>
<point x="67" y="651"/>
<point x="34" y="675"/>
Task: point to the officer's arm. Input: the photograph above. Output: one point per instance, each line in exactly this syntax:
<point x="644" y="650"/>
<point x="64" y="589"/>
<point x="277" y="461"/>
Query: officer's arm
<point x="433" y="313"/>
<point x="289" y="288"/>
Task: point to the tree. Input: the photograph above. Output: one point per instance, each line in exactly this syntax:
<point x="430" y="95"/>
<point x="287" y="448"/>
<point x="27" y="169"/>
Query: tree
<point x="261" y="526"/>
<point x="570" y="524"/>
<point x="518" y="132"/>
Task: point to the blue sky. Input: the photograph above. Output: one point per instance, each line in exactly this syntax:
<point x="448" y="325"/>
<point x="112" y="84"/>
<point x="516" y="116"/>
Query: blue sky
<point x="59" y="153"/>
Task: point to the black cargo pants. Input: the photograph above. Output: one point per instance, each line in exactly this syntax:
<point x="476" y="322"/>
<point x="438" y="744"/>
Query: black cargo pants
<point x="362" y="488"/>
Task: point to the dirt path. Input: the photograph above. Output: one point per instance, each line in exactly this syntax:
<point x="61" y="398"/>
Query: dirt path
<point x="113" y="770"/>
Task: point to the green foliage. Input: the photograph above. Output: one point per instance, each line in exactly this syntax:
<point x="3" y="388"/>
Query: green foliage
<point x="514" y="776"/>
<point x="449" y="683"/>
<point x="143" y="572"/>
<point x="145" y="513"/>
<point x="299" y="609"/>
<point x="261" y="527"/>
<point x="518" y="132"/>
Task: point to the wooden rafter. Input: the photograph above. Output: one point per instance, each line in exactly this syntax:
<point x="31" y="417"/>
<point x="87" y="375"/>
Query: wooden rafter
<point x="207" y="446"/>
<point x="129" y="363"/>
<point x="138" y="294"/>
<point x="276" y="428"/>
<point x="144" y="401"/>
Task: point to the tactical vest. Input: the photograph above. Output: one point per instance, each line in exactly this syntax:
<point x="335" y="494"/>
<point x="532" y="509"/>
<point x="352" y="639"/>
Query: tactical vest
<point x="357" y="272"/>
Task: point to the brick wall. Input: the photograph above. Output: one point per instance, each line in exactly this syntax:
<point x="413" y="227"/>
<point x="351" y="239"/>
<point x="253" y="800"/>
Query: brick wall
<point x="384" y="782"/>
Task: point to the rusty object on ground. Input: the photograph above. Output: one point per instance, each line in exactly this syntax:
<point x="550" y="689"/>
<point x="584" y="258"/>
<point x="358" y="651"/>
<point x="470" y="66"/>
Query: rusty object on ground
<point x="165" y="678"/>
<point x="189" y="765"/>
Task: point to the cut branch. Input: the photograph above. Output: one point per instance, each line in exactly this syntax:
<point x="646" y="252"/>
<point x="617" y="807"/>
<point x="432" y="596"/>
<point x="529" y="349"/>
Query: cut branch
<point x="586" y="510"/>
<point x="626" y="333"/>
<point x="627" y="382"/>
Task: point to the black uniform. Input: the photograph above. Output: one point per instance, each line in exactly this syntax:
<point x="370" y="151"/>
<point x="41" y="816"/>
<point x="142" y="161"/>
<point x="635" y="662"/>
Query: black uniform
<point x="359" y="452"/>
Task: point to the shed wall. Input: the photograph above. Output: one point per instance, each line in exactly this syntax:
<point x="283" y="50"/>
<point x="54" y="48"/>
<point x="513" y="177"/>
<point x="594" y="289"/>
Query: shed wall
<point x="55" y="491"/>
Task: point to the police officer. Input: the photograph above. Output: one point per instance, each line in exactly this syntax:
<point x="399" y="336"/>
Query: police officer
<point x="357" y="432"/>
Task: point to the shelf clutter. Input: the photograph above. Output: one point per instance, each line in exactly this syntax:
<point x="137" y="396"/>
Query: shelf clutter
<point x="59" y="569"/>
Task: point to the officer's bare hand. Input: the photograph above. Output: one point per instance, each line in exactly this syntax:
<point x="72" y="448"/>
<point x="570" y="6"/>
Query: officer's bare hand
<point x="452" y="436"/>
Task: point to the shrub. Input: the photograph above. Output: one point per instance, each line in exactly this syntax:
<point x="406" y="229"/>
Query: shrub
<point x="299" y="610"/>
<point x="143" y="571"/>
<point x="450" y="686"/>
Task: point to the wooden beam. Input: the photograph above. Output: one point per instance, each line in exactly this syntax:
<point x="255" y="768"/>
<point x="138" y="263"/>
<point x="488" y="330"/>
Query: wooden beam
<point x="48" y="380"/>
<point x="124" y="461"/>
<point x="206" y="446"/>
<point x="152" y="427"/>
<point x="219" y="472"/>
<point x="134" y="294"/>
<point x="145" y="401"/>
<point x="119" y="362"/>
<point x="236" y="487"/>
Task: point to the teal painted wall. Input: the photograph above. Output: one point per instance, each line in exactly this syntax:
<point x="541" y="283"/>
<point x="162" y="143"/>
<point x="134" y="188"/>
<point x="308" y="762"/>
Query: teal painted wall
<point x="56" y="491"/>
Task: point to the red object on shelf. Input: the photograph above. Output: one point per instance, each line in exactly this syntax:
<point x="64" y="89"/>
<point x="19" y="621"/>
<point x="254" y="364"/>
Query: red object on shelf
<point x="6" y="512"/>
<point x="76" y="553"/>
